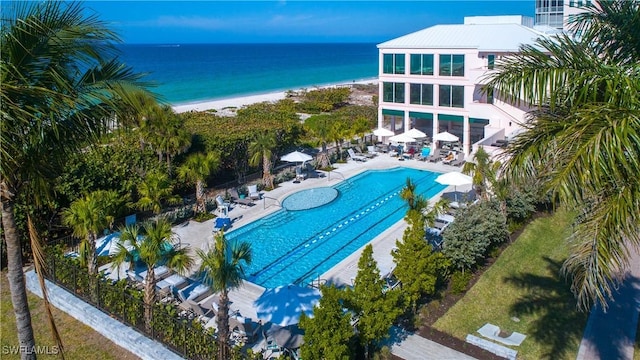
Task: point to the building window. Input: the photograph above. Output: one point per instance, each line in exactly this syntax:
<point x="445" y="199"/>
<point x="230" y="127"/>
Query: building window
<point x="393" y="92"/>
<point x="421" y="64"/>
<point x="451" y="96"/>
<point x="491" y="61"/>
<point x="451" y="65"/>
<point x="490" y="96"/>
<point x="393" y="63"/>
<point x="421" y="94"/>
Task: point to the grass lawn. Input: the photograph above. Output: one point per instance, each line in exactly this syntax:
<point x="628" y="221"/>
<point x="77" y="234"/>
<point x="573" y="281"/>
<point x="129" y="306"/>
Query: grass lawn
<point x="525" y="292"/>
<point x="79" y="340"/>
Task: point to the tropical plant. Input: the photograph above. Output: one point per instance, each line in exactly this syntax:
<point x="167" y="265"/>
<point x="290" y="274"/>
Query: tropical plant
<point x="484" y="172"/>
<point x="166" y="133"/>
<point x="154" y="190"/>
<point x="59" y="82"/>
<point x="328" y="334"/>
<point x="222" y="270"/>
<point x="415" y="201"/>
<point x="196" y="169"/>
<point x="319" y="126"/>
<point x="88" y="217"/>
<point x="156" y="246"/>
<point x="261" y="150"/>
<point x="582" y="138"/>
<point x="375" y="306"/>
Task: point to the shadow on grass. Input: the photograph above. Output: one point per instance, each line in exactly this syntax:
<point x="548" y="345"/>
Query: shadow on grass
<point x="558" y="325"/>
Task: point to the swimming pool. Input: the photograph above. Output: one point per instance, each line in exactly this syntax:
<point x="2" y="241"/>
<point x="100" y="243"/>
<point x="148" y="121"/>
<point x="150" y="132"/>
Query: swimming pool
<point x="294" y="247"/>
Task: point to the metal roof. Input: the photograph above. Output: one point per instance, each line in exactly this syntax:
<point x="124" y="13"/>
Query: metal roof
<point x="484" y="37"/>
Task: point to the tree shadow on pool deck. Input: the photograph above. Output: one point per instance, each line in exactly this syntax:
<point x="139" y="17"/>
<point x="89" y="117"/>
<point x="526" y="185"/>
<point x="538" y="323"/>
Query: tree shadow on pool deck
<point x="558" y="325"/>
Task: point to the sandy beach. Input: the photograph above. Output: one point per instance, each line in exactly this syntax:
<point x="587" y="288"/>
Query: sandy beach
<point x="228" y="106"/>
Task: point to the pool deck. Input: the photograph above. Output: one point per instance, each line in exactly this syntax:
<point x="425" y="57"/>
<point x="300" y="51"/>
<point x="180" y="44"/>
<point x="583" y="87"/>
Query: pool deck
<point x="199" y="235"/>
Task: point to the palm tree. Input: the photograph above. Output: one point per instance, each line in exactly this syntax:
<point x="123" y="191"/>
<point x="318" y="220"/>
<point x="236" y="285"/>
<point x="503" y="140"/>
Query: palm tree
<point x="49" y="109"/>
<point x="320" y="127"/>
<point x="88" y="217"/>
<point x="222" y="270"/>
<point x="154" y="190"/>
<point x="582" y="139"/>
<point x="261" y="149"/>
<point x="408" y="194"/>
<point x="166" y="133"/>
<point x="196" y="169"/>
<point x="154" y="248"/>
<point x="484" y="172"/>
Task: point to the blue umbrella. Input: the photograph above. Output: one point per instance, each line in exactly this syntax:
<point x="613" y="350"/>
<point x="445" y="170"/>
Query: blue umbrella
<point x="283" y="305"/>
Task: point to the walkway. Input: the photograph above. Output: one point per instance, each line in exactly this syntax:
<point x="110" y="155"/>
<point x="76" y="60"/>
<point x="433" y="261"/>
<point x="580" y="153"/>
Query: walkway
<point x="410" y="346"/>
<point x="611" y="335"/>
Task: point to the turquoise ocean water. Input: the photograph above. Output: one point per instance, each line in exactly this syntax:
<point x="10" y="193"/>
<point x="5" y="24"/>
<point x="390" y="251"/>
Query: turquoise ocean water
<point x="198" y="72"/>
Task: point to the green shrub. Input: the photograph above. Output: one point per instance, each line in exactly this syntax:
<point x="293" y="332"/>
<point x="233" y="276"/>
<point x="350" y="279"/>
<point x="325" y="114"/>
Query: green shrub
<point x="460" y="281"/>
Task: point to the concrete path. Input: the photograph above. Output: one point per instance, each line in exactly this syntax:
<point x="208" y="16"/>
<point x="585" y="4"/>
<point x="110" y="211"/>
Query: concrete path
<point x="410" y="346"/>
<point x="611" y="335"/>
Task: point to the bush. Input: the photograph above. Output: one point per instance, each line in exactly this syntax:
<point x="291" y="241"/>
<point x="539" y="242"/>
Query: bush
<point x="460" y="281"/>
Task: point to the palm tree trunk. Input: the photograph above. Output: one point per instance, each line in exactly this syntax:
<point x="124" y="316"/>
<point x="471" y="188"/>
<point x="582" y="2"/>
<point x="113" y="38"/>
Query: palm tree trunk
<point x="266" y="172"/>
<point x="149" y="297"/>
<point x="223" y="324"/>
<point x="15" y="275"/>
<point x="199" y="196"/>
<point x="93" y="258"/>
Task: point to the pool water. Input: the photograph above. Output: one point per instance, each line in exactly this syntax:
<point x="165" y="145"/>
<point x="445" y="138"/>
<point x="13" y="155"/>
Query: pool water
<point x="295" y="247"/>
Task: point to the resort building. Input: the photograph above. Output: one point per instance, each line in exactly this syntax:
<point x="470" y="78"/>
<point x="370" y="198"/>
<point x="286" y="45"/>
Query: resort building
<point x="433" y="79"/>
<point x="557" y="14"/>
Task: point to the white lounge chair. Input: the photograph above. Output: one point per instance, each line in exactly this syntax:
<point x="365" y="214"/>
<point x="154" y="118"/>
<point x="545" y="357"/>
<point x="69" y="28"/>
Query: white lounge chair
<point x="355" y="157"/>
<point x="223" y="206"/>
<point x="254" y="194"/>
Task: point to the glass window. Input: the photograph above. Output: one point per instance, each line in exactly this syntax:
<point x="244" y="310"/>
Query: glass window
<point x="422" y="64"/>
<point x="492" y="60"/>
<point x="399" y="64"/>
<point x="451" y="65"/>
<point x="451" y="96"/>
<point x="393" y="92"/>
<point x="490" y="96"/>
<point x="421" y="94"/>
<point x="387" y="63"/>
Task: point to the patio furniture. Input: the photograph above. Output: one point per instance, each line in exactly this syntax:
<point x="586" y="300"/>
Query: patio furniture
<point x="355" y="157"/>
<point x="243" y="202"/>
<point x="254" y="194"/>
<point x="223" y="206"/>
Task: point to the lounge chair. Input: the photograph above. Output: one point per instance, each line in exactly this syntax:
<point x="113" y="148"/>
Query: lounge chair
<point x="242" y="202"/>
<point x="196" y="292"/>
<point x="435" y="157"/>
<point x="174" y="281"/>
<point x="244" y="327"/>
<point x="372" y="151"/>
<point x="300" y="174"/>
<point x="223" y="206"/>
<point x="459" y="161"/>
<point x="355" y="157"/>
<point x="449" y="158"/>
<point x="254" y="194"/>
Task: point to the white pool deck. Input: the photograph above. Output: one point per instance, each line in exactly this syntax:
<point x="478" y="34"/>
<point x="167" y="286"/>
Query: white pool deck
<point x="199" y="235"/>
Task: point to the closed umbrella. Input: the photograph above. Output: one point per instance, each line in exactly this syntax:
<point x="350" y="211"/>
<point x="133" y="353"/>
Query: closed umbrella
<point x="283" y="305"/>
<point x="456" y="179"/>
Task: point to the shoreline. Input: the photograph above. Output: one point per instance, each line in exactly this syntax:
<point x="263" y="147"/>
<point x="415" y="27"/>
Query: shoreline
<point x="233" y="103"/>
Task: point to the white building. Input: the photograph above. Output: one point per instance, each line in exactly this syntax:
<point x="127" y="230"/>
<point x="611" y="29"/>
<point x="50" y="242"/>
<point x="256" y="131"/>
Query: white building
<point x="432" y="79"/>
<point x="557" y="14"/>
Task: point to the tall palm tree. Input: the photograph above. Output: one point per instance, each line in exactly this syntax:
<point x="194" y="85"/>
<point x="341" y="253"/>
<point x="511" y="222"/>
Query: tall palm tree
<point x="222" y="270"/>
<point x="261" y="149"/>
<point x="154" y="190"/>
<point x="484" y="172"/>
<point x="196" y="169"/>
<point x="156" y="246"/>
<point x="582" y="139"/>
<point x="88" y="216"/>
<point x="166" y="133"/>
<point x="320" y="127"/>
<point x="60" y="80"/>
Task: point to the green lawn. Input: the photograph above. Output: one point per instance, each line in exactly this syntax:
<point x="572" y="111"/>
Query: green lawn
<point x="79" y="340"/>
<point x="525" y="283"/>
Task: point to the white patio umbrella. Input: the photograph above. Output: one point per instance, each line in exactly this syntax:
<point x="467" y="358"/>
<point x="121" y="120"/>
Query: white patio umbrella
<point x="456" y="179"/>
<point x="403" y="138"/>
<point x="296" y="156"/>
<point x="283" y="305"/>
<point x="383" y="132"/>
<point x="445" y="136"/>
<point x="415" y="133"/>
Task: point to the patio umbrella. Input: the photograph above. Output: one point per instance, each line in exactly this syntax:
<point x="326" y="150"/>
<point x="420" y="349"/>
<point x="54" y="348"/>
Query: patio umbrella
<point x="445" y="136"/>
<point x="383" y="132"/>
<point x="290" y="337"/>
<point x="403" y="138"/>
<point x="283" y="305"/>
<point x="415" y="133"/>
<point x="454" y="178"/>
<point x="296" y="156"/>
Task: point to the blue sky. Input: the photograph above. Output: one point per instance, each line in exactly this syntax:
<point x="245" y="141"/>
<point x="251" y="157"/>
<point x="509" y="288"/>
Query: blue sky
<point x="179" y="22"/>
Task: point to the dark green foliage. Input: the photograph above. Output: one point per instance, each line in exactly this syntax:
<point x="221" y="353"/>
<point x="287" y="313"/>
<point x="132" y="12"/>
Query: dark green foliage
<point x="520" y="205"/>
<point x="374" y="306"/>
<point x="418" y="268"/>
<point x="460" y="281"/>
<point x="323" y="100"/>
<point x="475" y="230"/>
<point x="329" y="333"/>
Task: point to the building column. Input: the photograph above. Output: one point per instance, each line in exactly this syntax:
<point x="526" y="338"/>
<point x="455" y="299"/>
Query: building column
<point x="436" y="124"/>
<point x="407" y="121"/>
<point x="466" y="135"/>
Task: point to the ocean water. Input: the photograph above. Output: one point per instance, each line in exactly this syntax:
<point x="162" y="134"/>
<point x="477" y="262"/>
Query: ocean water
<point x="198" y="72"/>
